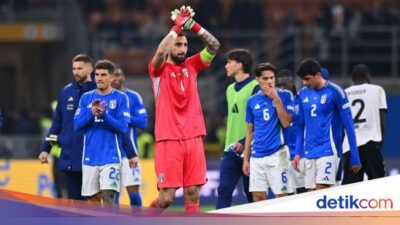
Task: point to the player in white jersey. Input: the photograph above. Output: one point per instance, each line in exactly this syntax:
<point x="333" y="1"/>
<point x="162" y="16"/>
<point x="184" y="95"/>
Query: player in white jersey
<point x="368" y="106"/>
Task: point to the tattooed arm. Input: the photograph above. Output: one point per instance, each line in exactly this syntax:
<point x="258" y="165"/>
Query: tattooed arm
<point x="161" y="54"/>
<point x="212" y="44"/>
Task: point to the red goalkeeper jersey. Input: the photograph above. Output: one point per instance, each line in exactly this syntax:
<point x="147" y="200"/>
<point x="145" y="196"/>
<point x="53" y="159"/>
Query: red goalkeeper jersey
<point x="178" y="110"/>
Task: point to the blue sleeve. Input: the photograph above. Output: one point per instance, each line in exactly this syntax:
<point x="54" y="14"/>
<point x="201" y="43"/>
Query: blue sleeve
<point x="127" y="146"/>
<point x="343" y="106"/>
<point x="249" y="115"/>
<point x="120" y="123"/>
<point x="138" y="112"/>
<point x="83" y="116"/>
<point x="56" y="125"/>
<point x="300" y="131"/>
<point x="288" y="103"/>
<point x="256" y="89"/>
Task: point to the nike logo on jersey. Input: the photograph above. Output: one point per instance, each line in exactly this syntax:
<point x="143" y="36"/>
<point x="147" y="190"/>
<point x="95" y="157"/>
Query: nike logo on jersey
<point x="235" y="109"/>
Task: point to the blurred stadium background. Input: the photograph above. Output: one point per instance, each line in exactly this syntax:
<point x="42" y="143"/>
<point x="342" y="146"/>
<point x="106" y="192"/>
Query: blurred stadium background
<point x="38" y="39"/>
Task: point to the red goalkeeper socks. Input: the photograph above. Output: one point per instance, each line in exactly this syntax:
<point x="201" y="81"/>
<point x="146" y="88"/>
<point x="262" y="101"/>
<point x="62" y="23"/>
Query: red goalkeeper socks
<point x="192" y="207"/>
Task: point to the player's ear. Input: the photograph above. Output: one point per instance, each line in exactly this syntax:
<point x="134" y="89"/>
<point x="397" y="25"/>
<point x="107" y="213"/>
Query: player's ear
<point x="241" y="66"/>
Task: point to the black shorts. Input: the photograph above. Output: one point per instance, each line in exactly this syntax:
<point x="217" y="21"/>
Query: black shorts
<point x="371" y="160"/>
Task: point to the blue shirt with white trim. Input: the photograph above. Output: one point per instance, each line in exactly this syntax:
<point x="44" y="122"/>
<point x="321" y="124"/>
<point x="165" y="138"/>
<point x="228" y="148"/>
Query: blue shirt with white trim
<point x="321" y="111"/>
<point x="268" y="131"/>
<point x="290" y="133"/>
<point x="102" y="135"/>
<point x="138" y="118"/>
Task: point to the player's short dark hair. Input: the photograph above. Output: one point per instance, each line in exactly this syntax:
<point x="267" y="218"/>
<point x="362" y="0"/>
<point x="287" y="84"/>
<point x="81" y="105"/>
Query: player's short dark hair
<point x="242" y="56"/>
<point x="182" y="34"/>
<point x="361" y="73"/>
<point x="285" y="73"/>
<point x="105" y="64"/>
<point x="308" y="67"/>
<point x="82" y="58"/>
<point x="264" y="67"/>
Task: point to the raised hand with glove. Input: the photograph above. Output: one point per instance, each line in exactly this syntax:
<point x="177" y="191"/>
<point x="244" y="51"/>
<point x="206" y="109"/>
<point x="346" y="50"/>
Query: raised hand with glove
<point x="184" y="17"/>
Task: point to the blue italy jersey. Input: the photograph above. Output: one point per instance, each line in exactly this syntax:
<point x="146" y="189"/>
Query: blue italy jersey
<point x="102" y="135"/>
<point x="290" y="133"/>
<point x="138" y="117"/>
<point x="268" y="131"/>
<point x="321" y="111"/>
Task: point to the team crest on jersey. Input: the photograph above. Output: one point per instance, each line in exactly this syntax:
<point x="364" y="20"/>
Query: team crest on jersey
<point x="113" y="104"/>
<point x="185" y="72"/>
<point x="323" y="98"/>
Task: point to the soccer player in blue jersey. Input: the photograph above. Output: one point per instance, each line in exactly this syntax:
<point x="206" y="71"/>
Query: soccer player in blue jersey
<point x="319" y="101"/>
<point x="285" y="81"/>
<point x="131" y="176"/>
<point x="103" y="115"/>
<point x="267" y="113"/>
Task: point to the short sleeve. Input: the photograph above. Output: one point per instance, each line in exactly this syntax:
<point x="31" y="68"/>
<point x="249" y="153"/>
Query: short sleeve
<point x="382" y="99"/>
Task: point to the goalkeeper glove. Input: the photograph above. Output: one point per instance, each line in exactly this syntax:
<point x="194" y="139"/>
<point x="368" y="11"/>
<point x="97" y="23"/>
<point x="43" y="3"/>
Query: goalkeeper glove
<point x="184" y="17"/>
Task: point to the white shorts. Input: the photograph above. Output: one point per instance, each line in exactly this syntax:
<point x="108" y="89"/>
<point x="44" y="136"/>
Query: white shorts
<point x="96" y="178"/>
<point x="320" y="171"/>
<point x="271" y="171"/>
<point x="298" y="177"/>
<point x="130" y="176"/>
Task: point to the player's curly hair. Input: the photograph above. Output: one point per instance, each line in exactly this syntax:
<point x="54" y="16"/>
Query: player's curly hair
<point x="264" y="67"/>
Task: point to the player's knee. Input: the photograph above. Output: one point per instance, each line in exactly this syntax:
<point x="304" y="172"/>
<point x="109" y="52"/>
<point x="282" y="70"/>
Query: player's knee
<point x="108" y="196"/>
<point x="133" y="188"/>
<point x="258" y="196"/>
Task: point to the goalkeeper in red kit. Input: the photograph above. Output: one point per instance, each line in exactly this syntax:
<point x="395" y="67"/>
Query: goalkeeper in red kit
<point x="179" y="124"/>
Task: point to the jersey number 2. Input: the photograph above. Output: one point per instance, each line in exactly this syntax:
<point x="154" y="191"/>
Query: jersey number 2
<point x="357" y="118"/>
<point x="313" y="109"/>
